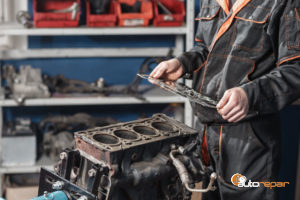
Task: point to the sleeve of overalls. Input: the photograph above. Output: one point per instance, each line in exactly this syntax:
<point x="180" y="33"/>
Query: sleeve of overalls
<point x="280" y="87"/>
<point x="194" y="58"/>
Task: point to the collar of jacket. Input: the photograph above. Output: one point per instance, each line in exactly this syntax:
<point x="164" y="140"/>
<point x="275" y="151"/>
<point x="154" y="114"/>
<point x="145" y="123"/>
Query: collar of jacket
<point x="237" y="6"/>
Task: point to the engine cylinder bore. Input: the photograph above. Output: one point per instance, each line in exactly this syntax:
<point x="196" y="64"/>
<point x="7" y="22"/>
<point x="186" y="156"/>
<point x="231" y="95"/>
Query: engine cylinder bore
<point x="127" y="135"/>
<point x="106" y="139"/>
<point x="162" y="126"/>
<point x="144" y="130"/>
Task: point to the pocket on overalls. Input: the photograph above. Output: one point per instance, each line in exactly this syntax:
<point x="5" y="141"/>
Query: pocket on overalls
<point x="292" y="22"/>
<point x="249" y="34"/>
<point x="242" y="152"/>
<point x="207" y="23"/>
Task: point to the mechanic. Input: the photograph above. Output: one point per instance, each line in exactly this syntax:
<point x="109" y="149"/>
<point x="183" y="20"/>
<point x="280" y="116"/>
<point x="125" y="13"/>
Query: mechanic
<point x="247" y="57"/>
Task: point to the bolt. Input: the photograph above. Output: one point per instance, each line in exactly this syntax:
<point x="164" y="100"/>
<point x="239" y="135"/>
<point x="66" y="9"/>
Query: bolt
<point x="63" y="156"/>
<point x="83" y="198"/>
<point x="92" y="172"/>
<point x="56" y="169"/>
<point x="58" y="185"/>
<point x="173" y="146"/>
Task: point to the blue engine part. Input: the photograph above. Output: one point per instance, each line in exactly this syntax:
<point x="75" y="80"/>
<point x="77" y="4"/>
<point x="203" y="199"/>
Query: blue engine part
<point x="57" y="195"/>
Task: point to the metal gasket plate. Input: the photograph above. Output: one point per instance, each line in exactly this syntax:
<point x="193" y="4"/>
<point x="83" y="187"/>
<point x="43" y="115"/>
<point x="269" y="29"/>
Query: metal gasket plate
<point x="182" y="90"/>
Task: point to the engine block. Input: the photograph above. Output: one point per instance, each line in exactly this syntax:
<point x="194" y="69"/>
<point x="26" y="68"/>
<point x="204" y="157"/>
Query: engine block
<point x="125" y="161"/>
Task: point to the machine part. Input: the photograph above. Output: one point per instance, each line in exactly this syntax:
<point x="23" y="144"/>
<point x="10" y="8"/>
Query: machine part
<point x="71" y="191"/>
<point x="60" y="84"/>
<point x="83" y="198"/>
<point x="27" y="83"/>
<point x="99" y="6"/>
<point x="182" y="90"/>
<point x="63" y="156"/>
<point x="92" y="172"/>
<point x="125" y="161"/>
<point x="57" y="195"/>
<point x="58" y="131"/>
<point x="184" y="175"/>
<point x="58" y="185"/>
<point x="54" y="143"/>
<point x="23" y="17"/>
<point x="74" y="9"/>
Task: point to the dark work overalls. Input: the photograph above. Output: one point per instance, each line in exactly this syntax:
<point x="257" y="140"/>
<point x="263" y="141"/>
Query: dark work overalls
<point x="254" y="45"/>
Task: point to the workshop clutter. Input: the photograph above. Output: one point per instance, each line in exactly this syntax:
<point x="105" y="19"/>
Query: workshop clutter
<point x="46" y="139"/>
<point x="28" y="83"/>
<point x="101" y="13"/>
<point x="108" y="13"/>
<point x="169" y="13"/>
<point x="134" y="13"/>
<point x="56" y="13"/>
<point x="58" y="131"/>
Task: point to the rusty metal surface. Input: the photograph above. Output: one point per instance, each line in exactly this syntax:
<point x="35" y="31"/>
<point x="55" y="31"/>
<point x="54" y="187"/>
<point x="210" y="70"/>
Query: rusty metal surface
<point x="131" y="134"/>
<point x="125" y="161"/>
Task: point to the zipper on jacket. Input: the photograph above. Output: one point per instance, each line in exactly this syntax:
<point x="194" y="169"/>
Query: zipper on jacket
<point x="220" y="138"/>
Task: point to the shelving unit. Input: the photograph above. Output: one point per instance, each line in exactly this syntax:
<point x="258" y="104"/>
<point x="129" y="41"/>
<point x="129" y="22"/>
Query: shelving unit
<point x="184" y="39"/>
<point x="154" y="96"/>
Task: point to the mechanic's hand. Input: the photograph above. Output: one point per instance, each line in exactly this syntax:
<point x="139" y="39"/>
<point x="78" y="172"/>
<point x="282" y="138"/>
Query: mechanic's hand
<point x="234" y="105"/>
<point x="170" y="70"/>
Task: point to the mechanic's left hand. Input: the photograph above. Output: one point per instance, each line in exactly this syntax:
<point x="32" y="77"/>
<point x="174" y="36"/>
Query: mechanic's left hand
<point x="234" y="105"/>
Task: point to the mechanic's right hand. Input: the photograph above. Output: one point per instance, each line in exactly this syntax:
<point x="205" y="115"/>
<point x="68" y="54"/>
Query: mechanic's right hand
<point x="170" y="70"/>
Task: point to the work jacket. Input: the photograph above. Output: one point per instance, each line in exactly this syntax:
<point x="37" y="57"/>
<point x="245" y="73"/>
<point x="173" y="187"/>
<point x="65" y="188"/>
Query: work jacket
<point x="254" y="45"/>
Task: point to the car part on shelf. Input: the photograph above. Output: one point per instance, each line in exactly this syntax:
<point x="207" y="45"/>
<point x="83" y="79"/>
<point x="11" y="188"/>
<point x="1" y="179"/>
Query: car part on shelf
<point x="99" y="6"/>
<point x="58" y="131"/>
<point x="182" y="90"/>
<point x="23" y="17"/>
<point x="21" y="134"/>
<point x="127" y="161"/>
<point x="135" y="8"/>
<point x="74" y="9"/>
<point x="27" y="83"/>
<point x="61" y="84"/>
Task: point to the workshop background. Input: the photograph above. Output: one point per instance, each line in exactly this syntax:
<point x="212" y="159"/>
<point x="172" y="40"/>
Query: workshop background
<point x="38" y="119"/>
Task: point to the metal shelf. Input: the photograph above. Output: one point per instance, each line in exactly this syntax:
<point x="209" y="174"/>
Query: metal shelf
<point x="42" y="162"/>
<point x="18" y="30"/>
<point x="85" y="52"/>
<point x="153" y="96"/>
<point x="24" y="169"/>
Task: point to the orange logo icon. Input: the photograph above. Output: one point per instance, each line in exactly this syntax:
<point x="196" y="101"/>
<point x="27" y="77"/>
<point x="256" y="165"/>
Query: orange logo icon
<point x="236" y="179"/>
